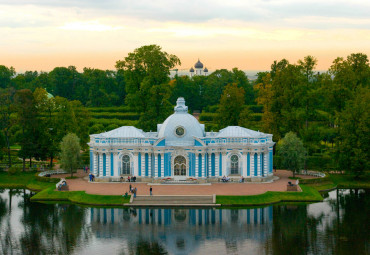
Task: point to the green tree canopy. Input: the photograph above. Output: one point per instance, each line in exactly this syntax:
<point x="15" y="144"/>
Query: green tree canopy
<point x="291" y="152"/>
<point x="231" y="105"/>
<point x="70" y="156"/>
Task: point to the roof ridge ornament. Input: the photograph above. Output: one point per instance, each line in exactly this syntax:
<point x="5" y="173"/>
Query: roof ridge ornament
<point x="180" y="106"/>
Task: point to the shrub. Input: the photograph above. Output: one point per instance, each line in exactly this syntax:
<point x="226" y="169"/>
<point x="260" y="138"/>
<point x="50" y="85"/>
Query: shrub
<point x="14" y="170"/>
<point x="207" y="116"/>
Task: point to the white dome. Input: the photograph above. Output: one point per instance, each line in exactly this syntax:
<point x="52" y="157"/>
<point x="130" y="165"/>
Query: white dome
<point x="236" y="131"/>
<point x="180" y="128"/>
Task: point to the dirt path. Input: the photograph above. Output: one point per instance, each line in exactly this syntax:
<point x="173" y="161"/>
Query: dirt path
<point x="216" y="188"/>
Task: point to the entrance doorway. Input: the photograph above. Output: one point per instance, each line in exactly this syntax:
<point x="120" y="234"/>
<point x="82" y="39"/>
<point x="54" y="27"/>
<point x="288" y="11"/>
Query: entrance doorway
<point x="180" y="167"/>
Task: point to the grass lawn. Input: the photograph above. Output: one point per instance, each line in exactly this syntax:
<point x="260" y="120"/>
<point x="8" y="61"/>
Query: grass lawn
<point x="24" y="180"/>
<point x="308" y="194"/>
<point x="344" y="181"/>
<point x="79" y="197"/>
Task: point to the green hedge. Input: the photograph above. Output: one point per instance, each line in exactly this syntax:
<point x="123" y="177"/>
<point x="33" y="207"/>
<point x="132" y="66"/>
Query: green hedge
<point x="116" y="115"/>
<point x="110" y="109"/>
<point x="46" y="179"/>
<point x="318" y="163"/>
<point x="107" y="122"/>
<point x="315" y="180"/>
<point x="256" y="108"/>
<point x="207" y="116"/>
<point x="257" y="116"/>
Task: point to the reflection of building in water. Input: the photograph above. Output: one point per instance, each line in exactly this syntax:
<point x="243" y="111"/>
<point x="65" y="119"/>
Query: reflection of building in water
<point x="182" y="230"/>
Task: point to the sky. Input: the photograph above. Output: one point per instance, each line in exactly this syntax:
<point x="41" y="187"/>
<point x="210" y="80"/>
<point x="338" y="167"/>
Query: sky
<point x="43" y="34"/>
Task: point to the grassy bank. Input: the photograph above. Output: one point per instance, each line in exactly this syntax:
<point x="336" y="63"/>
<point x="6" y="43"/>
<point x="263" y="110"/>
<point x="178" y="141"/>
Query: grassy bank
<point x="80" y="197"/>
<point x="24" y="180"/>
<point x="310" y="191"/>
<point x="308" y="194"/>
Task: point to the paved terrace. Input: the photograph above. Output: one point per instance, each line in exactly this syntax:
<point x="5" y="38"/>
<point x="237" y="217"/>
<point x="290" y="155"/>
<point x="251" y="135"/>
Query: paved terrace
<point x="82" y="184"/>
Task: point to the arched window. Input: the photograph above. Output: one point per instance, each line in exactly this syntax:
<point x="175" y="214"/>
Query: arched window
<point x="180" y="166"/>
<point x="126" y="165"/>
<point x="234" y="164"/>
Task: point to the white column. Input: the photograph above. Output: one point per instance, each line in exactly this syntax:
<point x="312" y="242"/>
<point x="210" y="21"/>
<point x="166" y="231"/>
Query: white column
<point x="100" y="164"/>
<point x="142" y="163"/>
<point x="259" y="164"/>
<point x="265" y="162"/>
<point x="107" y="164"/>
<point x="162" y="165"/>
<point x="224" y="164"/>
<point x="115" y="164"/>
<point x="136" y="164"/>
<point x="217" y="161"/>
<point x="155" y="164"/>
<point x="95" y="169"/>
<point x="196" y="165"/>
<point x="245" y="163"/>
<point x="203" y="165"/>
<point x="252" y="163"/>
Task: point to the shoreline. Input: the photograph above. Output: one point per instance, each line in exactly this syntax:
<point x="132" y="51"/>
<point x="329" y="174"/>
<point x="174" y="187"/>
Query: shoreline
<point x="310" y="193"/>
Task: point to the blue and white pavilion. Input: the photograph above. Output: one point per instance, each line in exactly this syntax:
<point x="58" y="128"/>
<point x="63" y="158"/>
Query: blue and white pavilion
<point x="181" y="149"/>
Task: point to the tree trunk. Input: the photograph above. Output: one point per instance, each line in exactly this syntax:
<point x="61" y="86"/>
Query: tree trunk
<point x="30" y="162"/>
<point x="293" y="174"/>
<point x="8" y="147"/>
<point x="24" y="164"/>
<point x="71" y="172"/>
<point x="51" y="161"/>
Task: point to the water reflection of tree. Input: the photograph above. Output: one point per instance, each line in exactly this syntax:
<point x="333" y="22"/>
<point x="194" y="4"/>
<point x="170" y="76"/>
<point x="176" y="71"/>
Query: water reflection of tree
<point x="144" y="247"/>
<point x="52" y="229"/>
<point x="348" y="232"/>
<point x="294" y="232"/>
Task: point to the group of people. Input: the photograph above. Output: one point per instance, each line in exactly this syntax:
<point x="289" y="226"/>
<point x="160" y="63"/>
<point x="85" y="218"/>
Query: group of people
<point x="91" y="177"/>
<point x="227" y="178"/>
<point x="86" y="169"/>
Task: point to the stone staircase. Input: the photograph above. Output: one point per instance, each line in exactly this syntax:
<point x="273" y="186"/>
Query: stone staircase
<point x="173" y="201"/>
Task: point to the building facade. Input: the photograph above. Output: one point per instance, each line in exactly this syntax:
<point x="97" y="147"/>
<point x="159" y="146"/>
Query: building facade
<point x="181" y="149"/>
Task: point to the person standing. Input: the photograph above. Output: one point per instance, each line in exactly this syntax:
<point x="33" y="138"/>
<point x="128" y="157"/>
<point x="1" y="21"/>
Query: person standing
<point x="135" y="191"/>
<point x="151" y="190"/>
<point x="130" y="188"/>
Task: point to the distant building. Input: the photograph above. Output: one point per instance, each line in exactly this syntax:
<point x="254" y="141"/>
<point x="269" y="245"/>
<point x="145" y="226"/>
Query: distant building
<point x="181" y="149"/>
<point x="198" y="69"/>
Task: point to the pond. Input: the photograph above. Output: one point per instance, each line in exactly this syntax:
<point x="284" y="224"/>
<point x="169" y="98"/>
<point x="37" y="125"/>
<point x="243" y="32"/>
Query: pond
<point x="339" y="225"/>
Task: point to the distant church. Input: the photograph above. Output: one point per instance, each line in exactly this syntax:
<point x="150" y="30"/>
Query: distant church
<point x="198" y="69"/>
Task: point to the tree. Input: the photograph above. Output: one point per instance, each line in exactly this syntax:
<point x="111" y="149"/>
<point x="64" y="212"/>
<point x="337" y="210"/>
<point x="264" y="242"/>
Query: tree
<point x="231" y="105"/>
<point x="70" y="156"/>
<point x="6" y="75"/>
<point x="6" y="122"/>
<point x="145" y="68"/>
<point x="353" y="142"/>
<point x="291" y="152"/>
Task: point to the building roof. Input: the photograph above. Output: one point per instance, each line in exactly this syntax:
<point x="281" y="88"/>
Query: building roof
<point x="123" y="132"/>
<point x="198" y="64"/>
<point x="181" y="118"/>
<point x="236" y="131"/>
<point x="205" y="70"/>
<point x="191" y="70"/>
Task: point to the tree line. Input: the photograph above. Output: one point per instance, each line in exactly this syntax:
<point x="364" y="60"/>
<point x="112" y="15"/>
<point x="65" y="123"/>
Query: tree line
<point x="329" y="111"/>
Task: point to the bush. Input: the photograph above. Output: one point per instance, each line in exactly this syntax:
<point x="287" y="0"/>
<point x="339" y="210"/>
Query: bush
<point x="14" y="170"/>
<point x="116" y="115"/>
<point x="207" y="116"/>
<point x="256" y="108"/>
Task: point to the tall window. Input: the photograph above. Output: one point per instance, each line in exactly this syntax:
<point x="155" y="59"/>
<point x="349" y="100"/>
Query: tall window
<point x="234" y="164"/>
<point x="126" y="165"/>
<point x="180" y="165"/>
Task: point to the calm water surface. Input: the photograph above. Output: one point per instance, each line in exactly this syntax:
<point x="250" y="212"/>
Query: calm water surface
<point x="339" y="225"/>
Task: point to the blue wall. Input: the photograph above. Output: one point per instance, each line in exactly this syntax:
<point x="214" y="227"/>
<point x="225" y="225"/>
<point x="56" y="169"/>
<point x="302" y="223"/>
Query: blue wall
<point x="248" y="164"/>
<point x="213" y="164"/>
<point x="255" y="164"/>
<point x="104" y="164"/>
<point x="200" y="165"/>
<point x="111" y="164"/>
<point x="159" y="165"/>
<point x="262" y="165"/>
<point x="146" y="164"/>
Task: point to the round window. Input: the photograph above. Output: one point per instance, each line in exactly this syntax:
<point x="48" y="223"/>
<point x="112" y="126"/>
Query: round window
<point x="180" y="131"/>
